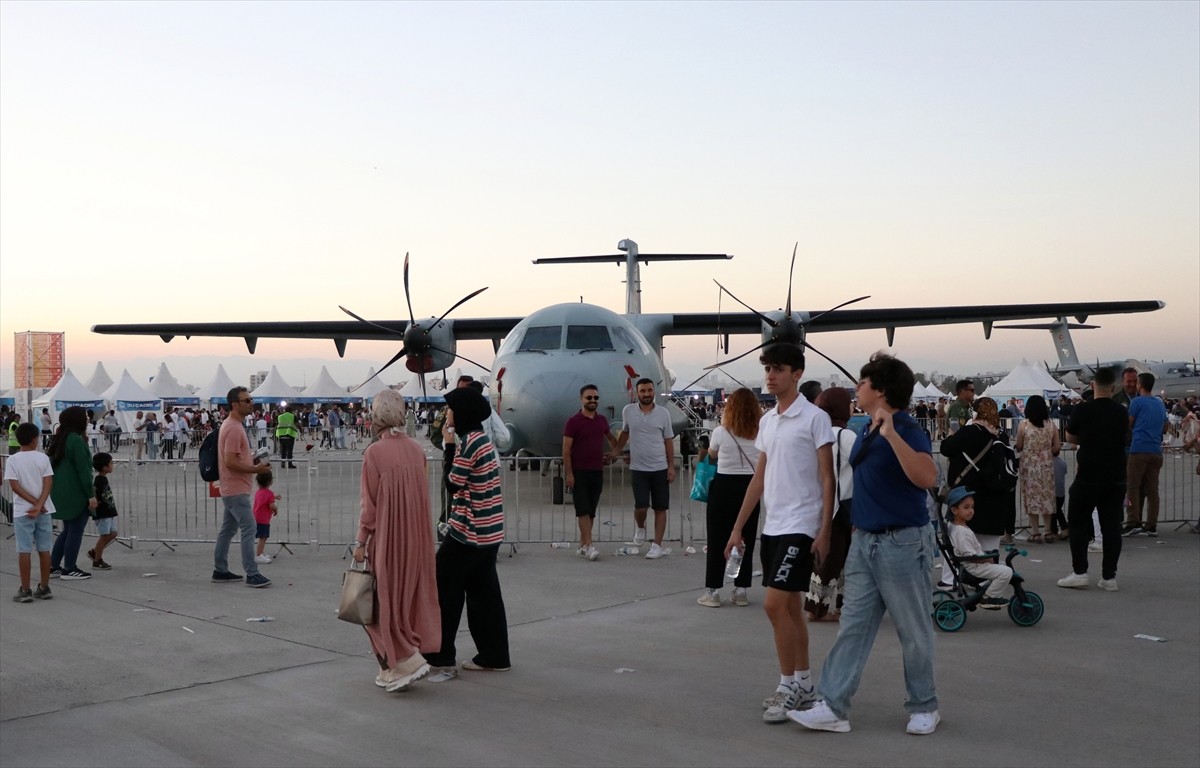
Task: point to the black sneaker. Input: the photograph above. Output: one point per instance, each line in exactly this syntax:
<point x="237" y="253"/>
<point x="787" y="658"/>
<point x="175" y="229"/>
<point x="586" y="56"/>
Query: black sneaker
<point x="257" y="580"/>
<point x="23" y="596"/>
<point x="42" y="593"/>
<point x="56" y="571"/>
<point x="225" y="577"/>
<point x="1135" y="530"/>
<point x="1150" y="531"/>
<point x="100" y="565"/>
<point x="75" y="575"/>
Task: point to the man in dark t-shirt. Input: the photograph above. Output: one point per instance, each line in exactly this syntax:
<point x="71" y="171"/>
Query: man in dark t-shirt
<point x="1099" y="428"/>
<point x="584" y="439"/>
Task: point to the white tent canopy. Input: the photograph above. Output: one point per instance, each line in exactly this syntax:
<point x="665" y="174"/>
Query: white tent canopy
<point x="1024" y="381"/>
<point x="274" y="389"/>
<point x="100" y="380"/>
<point x="165" y="385"/>
<point x="127" y="397"/>
<point x="934" y="391"/>
<point x="216" y="391"/>
<point x="326" y="390"/>
<point x="67" y="392"/>
<point x="368" y="390"/>
<point x="412" y="390"/>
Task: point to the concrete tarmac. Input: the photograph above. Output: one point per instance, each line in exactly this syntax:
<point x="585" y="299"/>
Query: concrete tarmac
<point x="614" y="663"/>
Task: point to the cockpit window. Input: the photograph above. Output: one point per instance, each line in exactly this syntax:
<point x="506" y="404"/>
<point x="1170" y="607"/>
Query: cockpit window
<point x="541" y="337"/>
<point x="627" y="341"/>
<point x="588" y="337"/>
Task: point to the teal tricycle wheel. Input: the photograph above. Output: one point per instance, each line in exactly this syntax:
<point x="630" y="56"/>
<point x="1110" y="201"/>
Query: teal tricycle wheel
<point x="1027" y="613"/>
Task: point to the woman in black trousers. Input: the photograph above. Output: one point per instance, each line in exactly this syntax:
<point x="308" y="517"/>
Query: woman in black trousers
<point x="732" y="448"/>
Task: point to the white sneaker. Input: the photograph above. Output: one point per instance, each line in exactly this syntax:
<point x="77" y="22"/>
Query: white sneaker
<point x="639" y="536"/>
<point x="739" y="597"/>
<point x="262" y="559"/>
<point x="657" y="552"/>
<point x="1095" y="546"/>
<point x="1074" y="581"/>
<point x="1108" y="585"/>
<point x="819" y="717"/>
<point x="779" y="705"/>
<point x="710" y="599"/>
<point x="923" y="723"/>
<point x="441" y="674"/>
<point x="591" y="553"/>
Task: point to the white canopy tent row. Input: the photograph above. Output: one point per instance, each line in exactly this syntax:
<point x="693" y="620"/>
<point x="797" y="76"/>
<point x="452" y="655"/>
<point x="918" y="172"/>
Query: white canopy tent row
<point x="1024" y="381"/>
<point x="370" y="388"/>
<point x="127" y="397"/>
<point x="412" y="391"/>
<point x="165" y="386"/>
<point x="216" y="391"/>
<point x="326" y="390"/>
<point x="100" y="381"/>
<point x="67" y="392"/>
<point x="274" y="389"/>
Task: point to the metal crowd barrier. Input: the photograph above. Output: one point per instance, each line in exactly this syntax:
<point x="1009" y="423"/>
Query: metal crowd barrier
<point x="167" y="503"/>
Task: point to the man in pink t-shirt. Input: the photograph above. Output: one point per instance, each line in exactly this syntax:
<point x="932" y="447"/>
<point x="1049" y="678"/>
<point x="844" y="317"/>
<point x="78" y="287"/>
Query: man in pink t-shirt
<point x="236" y="466"/>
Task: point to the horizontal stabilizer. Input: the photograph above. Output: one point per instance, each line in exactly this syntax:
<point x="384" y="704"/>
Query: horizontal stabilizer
<point x="1048" y="326"/>
<point x="620" y="258"/>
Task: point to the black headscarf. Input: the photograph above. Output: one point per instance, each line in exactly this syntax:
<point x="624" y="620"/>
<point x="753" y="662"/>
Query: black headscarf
<point x="470" y="409"/>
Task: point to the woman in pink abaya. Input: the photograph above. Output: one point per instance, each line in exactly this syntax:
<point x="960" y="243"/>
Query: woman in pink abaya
<point x="395" y="535"/>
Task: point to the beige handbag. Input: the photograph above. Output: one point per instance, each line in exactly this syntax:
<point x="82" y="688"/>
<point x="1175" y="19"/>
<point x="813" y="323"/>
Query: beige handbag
<point x="357" y="605"/>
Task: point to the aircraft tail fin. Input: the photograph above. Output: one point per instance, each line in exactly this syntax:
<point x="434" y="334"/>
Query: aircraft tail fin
<point x="631" y="258"/>
<point x="1064" y="346"/>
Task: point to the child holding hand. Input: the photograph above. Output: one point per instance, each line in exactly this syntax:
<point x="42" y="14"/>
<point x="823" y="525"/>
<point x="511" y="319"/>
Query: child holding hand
<point x="265" y="508"/>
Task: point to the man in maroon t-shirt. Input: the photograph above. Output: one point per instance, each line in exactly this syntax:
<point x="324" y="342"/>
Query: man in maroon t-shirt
<point x="583" y="463"/>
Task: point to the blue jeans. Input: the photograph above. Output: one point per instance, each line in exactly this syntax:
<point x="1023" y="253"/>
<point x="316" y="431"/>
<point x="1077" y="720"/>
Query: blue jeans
<point x="239" y="516"/>
<point x="884" y="572"/>
<point x="66" y="547"/>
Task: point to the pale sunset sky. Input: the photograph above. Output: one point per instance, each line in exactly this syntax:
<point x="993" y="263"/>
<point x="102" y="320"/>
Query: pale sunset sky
<point x="185" y="162"/>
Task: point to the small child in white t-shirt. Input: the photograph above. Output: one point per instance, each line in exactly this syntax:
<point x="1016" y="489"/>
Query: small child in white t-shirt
<point x="966" y="546"/>
<point x="31" y="477"/>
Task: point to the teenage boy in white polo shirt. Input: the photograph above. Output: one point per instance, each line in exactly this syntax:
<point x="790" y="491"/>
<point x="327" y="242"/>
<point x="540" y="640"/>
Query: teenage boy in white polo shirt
<point x="794" y="478"/>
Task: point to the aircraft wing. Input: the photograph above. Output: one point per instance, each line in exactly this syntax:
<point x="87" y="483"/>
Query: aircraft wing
<point x="337" y="330"/>
<point x="890" y="319"/>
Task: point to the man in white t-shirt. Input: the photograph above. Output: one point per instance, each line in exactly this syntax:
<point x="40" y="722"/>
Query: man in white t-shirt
<point x="647" y="429"/>
<point x="794" y="478"/>
<point x="29" y="474"/>
<point x="139" y="434"/>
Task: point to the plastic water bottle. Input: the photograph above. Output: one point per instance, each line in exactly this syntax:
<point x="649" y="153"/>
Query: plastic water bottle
<point x="628" y="551"/>
<point x="261" y="618"/>
<point x="560" y="544"/>
<point x="734" y="565"/>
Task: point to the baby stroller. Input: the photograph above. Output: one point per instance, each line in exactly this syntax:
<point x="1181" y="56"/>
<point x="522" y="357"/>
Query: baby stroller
<point x="950" y="606"/>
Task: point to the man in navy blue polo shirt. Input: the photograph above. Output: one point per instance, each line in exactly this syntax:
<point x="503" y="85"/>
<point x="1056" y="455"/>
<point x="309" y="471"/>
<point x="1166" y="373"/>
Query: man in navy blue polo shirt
<point x="890" y="554"/>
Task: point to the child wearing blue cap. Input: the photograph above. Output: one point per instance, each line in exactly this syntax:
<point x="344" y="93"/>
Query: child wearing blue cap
<point x="966" y="546"/>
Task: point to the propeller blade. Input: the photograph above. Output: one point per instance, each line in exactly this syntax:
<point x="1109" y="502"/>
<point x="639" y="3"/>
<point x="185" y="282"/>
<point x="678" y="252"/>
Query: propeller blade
<point x="791" y="269"/>
<point x="836" y="364"/>
<point x="693" y="381"/>
<point x="460" y="357"/>
<point x="368" y="322"/>
<point x="739" y="357"/>
<point x="424" y="392"/>
<point x="411" y="317"/>
<point x="399" y="355"/>
<point x="839" y="306"/>
<point x="461" y="301"/>
<point x="760" y="315"/>
<point x="722" y="370"/>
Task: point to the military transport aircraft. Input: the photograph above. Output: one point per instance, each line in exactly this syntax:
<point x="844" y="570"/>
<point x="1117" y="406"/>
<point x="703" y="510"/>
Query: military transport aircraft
<point x="548" y="355"/>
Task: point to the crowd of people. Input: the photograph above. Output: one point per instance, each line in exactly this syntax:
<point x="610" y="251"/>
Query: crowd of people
<point x="839" y="514"/>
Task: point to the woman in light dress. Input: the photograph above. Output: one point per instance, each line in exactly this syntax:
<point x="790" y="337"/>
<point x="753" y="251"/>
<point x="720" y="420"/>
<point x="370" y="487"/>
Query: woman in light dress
<point x="1038" y="444"/>
<point x="395" y="535"/>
